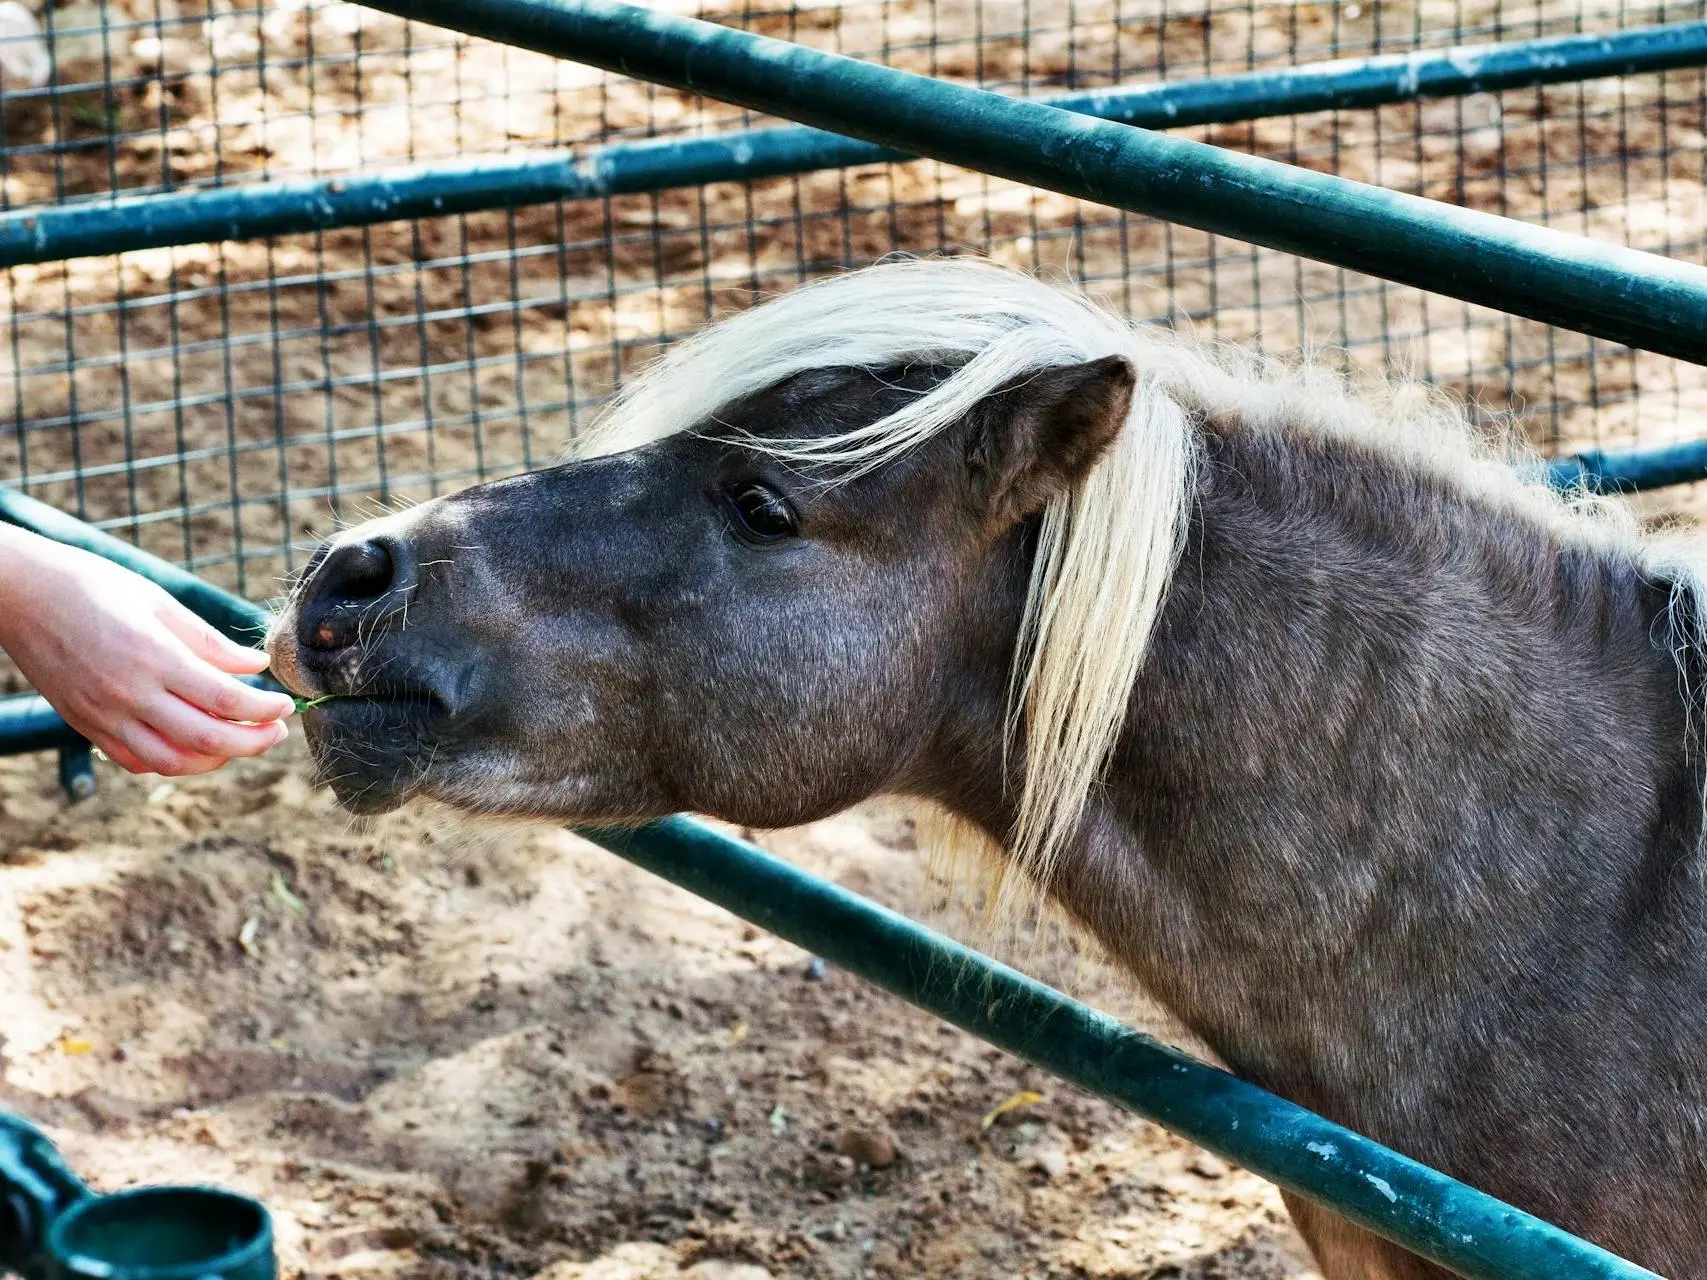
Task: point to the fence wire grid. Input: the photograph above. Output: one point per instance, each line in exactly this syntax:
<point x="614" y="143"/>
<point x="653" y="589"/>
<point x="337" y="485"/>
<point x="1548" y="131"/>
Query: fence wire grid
<point x="225" y="405"/>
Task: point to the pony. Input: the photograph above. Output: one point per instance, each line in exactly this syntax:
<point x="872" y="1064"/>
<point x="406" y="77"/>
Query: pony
<point x="1370" y="757"/>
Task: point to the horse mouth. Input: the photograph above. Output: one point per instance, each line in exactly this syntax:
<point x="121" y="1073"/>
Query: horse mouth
<point x="414" y="700"/>
<point x="374" y="748"/>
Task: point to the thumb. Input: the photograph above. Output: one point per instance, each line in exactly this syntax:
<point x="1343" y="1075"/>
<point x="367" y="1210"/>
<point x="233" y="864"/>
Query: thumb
<point x="209" y="645"/>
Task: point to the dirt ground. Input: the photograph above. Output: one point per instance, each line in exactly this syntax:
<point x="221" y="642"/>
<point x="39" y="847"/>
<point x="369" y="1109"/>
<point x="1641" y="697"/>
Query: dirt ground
<point x="448" y="1054"/>
<point x="443" y="1054"/>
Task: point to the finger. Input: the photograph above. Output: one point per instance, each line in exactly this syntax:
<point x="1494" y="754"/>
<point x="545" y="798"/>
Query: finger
<point x="229" y="699"/>
<point x="194" y="732"/>
<point x="121" y="755"/>
<point x="154" y="754"/>
<point x="209" y="645"/>
<point x="191" y="766"/>
<point x="103" y="739"/>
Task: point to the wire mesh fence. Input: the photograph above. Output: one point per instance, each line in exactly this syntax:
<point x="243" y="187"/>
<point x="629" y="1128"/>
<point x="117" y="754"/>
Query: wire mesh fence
<point x="223" y="405"/>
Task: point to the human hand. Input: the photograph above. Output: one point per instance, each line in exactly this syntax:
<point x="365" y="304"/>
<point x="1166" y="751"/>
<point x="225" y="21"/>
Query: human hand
<point x="130" y="668"/>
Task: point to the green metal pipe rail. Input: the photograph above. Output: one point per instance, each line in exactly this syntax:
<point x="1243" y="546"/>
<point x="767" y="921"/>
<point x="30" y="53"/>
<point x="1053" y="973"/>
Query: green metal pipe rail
<point x="1630" y="471"/>
<point x="1639" y="299"/>
<point x="1440" y="1218"/>
<point x="282" y="208"/>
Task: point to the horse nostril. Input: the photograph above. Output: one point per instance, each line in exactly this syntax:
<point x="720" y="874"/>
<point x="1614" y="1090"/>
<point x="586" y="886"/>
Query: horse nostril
<point x="356" y="574"/>
<point x="360" y="571"/>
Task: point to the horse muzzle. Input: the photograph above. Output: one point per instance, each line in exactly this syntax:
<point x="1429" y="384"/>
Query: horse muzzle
<point x="386" y="696"/>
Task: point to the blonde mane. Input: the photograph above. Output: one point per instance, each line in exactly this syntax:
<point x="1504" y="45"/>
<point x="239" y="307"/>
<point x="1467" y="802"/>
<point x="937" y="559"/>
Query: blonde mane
<point x="1107" y="552"/>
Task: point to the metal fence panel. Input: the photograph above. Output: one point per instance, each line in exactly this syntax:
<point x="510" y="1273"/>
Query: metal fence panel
<point x="224" y="404"/>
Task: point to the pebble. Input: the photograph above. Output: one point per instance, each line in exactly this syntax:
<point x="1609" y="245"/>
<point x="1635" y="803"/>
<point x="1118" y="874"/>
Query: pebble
<point x="1051" y="1162"/>
<point x="1209" y="1166"/>
<point x="816" y="970"/>
<point x="870" y="1147"/>
<point x="24" y="59"/>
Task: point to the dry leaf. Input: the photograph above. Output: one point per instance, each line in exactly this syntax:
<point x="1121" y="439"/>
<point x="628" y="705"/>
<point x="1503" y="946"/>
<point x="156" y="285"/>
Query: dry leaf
<point x="1013" y="1102"/>
<point x="282" y="892"/>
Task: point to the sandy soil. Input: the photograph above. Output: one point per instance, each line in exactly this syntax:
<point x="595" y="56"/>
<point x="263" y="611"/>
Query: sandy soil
<point x="435" y="1055"/>
<point x="451" y="1055"/>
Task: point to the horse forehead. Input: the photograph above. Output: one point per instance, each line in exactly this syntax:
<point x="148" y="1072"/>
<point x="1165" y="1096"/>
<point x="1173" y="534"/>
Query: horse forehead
<point x="827" y="400"/>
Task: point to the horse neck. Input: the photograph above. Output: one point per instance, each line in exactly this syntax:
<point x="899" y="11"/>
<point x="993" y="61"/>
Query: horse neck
<point x="1394" y="750"/>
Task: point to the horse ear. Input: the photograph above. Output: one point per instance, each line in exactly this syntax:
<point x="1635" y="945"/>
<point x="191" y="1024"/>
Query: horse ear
<point x="1042" y="434"/>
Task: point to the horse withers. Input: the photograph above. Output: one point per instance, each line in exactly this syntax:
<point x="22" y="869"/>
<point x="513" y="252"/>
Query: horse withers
<point x="1371" y="759"/>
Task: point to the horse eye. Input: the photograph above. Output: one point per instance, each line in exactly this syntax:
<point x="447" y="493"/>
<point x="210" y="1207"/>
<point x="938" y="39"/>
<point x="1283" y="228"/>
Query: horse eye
<point x="759" y="514"/>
